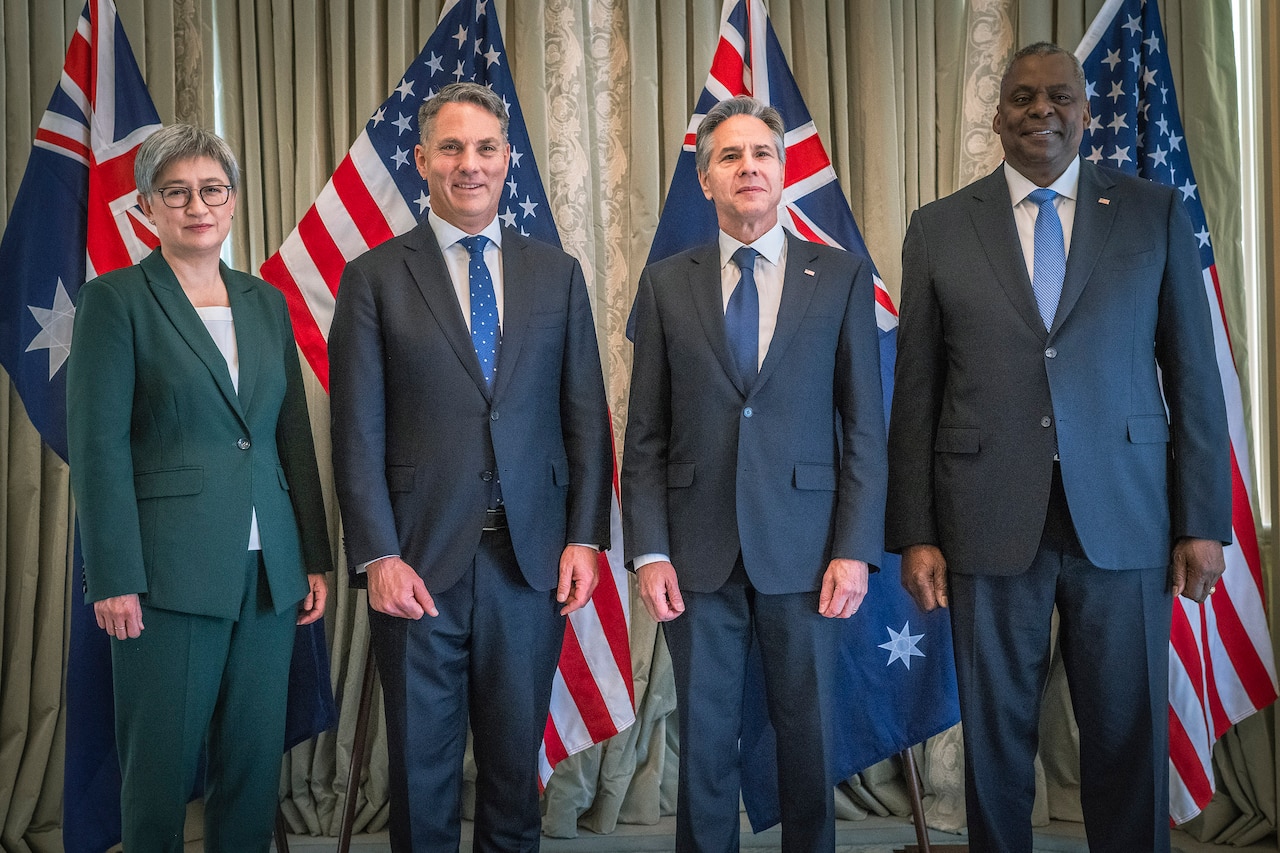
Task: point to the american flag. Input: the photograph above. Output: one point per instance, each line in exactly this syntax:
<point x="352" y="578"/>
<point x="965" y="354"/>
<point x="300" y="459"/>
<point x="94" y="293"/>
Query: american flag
<point x="376" y="193"/>
<point x="891" y="649"/>
<point x="1221" y="667"/>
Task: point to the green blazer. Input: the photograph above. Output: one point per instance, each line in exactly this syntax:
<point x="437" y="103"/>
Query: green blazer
<point x="168" y="461"/>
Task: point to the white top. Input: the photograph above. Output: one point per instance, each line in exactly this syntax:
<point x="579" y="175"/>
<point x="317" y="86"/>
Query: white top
<point x="1025" y="210"/>
<point x="222" y="328"/>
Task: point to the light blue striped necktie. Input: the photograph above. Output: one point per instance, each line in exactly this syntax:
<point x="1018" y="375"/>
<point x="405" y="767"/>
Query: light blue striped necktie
<point x="1049" y="262"/>
<point x="485" y="333"/>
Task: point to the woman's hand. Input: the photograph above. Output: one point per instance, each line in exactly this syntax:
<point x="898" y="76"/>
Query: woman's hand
<point x="311" y="608"/>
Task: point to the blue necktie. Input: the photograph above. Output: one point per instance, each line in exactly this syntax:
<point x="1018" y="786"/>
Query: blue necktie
<point x="1049" y="264"/>
<point x="484" y="307"/>
<point x="742" y="317"/>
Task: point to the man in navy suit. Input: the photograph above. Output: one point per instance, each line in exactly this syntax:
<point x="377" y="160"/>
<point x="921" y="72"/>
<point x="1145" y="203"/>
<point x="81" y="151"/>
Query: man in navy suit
<point x="1058" y="439"/>
<point x="473" y="462"/>
<point x="753" y="478"/>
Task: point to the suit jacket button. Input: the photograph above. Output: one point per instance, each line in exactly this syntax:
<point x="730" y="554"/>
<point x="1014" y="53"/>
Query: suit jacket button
<point x="1045" y="421"/>
<point x="746" y="413"/>
<point x="243" y="443"/>
<point x="1051" y="353"/>
<point x="487" y="476"/>
<point x="493" y="416"/>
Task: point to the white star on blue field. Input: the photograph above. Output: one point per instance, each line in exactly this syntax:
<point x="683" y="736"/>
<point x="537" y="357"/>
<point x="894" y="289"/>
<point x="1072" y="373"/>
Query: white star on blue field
<point x="902" y="645"/>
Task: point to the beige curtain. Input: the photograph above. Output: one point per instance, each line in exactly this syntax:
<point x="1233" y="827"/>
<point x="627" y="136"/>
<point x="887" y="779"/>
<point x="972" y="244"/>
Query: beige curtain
<point x="901" y="93"/>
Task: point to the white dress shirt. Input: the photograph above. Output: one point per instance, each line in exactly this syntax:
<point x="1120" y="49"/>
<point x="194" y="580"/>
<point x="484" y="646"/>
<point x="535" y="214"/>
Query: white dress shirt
<point x="1025" y="210"/>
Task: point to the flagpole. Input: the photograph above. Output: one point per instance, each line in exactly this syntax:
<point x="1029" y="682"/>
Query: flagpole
<point x="357" y="751"/>
<point x="912" y="772"/>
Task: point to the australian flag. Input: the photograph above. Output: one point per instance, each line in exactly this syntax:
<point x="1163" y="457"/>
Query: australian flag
<point x="896" y="684"/>
<point x="76" y="217"/>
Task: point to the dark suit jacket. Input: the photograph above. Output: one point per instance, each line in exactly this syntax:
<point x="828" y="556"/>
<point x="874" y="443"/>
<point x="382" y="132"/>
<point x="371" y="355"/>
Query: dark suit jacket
<point x="417" y="436"/>
<point x="791" y="473"/>
<point x="167" y="460"/>
<point x="983" y="394"/>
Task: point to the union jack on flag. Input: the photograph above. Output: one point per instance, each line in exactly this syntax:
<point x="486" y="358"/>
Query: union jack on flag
<point x="377" y="193"/>
<point x="891" y="650"/>
<point x="1221" y="667"/>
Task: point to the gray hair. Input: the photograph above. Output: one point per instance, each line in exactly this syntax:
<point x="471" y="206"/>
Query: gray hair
<point x="181" y="142"/>
<point x="462" y="93"/>
<point x="739" y="106"/>
<point x="1045" y="48"/>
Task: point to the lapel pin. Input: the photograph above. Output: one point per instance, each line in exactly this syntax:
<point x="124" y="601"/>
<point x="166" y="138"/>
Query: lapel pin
<point x="809" y="272"/>
<point x="1104" y="201"/>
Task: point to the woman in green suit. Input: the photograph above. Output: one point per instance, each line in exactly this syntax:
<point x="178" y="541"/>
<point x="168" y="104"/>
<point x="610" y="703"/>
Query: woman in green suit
<point x="199" y="505"/>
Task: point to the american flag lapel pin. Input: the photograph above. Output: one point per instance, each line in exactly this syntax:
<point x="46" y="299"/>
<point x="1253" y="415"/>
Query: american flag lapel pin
<point x="809" y="272"/>
<point x="1104" y="201"/>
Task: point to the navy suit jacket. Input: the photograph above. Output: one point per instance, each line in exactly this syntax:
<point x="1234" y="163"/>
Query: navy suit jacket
<point x="168" y="460"/>
<point x="418" y="436"/>
<point x="984" y="395"/>
<point x="792" y="472"/>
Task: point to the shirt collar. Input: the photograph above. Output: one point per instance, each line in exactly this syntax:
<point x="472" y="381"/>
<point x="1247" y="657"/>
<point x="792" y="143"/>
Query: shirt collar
<point x="1067" y="184"/>
<point x="769" y="245"/>
<point x="447" y="233"/>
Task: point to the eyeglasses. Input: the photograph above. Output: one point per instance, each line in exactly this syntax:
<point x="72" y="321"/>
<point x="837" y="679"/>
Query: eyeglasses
<point x="214" y="195"/>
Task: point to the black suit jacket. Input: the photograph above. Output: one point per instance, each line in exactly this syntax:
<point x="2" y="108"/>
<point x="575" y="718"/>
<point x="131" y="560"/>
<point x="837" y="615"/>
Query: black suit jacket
<point x="417" y="435"/>
<point x="792" y="472"/>
<point x="984" y="396"/>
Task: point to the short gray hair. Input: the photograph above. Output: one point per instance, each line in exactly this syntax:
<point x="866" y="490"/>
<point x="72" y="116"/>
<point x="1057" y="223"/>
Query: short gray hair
<point x="1045" y="48"/>
<point x="739" y="106"/>
<point x="181" y="142"/>
<point x="462" y="93"/>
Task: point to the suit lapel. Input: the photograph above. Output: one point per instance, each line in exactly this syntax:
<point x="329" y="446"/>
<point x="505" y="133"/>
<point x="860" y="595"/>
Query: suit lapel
<point x="251" y="335"/>
<point x="517" y="305"/>
<point x="1089" y="230"/>
<point x="992" y="217"/>
<point x="426" y="264"/>
<point x="178" y="308"/>
<point x="797" y="292"/>
<point x="708" y="302"/>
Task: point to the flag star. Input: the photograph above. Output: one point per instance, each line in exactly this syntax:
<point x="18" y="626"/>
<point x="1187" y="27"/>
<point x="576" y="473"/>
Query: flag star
<point x="1188" y="190"/>
<point x="1149" y="77"/>
<point x="1152" y="43"/>
<point x="902" y="645"/>
<point x="1113" y="59"/>
<point x="1095" y="123"/>
<point x="1164" y="95"/>
<point x="1134" y="26"/>
<point x="435" y="64"/>
<point x="1117" y="122"/>
<point x="528" y="205"/>
<point x="1095" y="155"/>
<point x="492" y="57"/>
<point x="1203" y="236"/>
<point x="1116" y="93"/>
<point x="379" y="117"/>
<point x="422" y="202"/>
<point x="1142" y="135"/>
<point x="505" y="103"/>
<point x="1144" y="109"/>
<point x="405" y="88"/>
<point x="56" y="325"/>
<point x="402" y="122"/>
<point x="523" y="232"/>
<point x="512" y="185"/>
<point x="459" y="72"/>
<point x="461" y="37"/>
<point x="481" y="9"/>
<point x="1120" y="155"/>
<point x="1175" y="142"/>
<point x="1136" y="60"/>
<point x="401" y="157"/>
<point x="508" y="218"/>
<point x="479" y="44"/>
<point x="515" y="158"/>
<point x="1163" y="124"/>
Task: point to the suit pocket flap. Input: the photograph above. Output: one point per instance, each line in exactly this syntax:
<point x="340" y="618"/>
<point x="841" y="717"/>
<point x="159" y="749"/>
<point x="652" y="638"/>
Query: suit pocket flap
<point x="560" y="471"/>
<point x="169" y="483"/>
<point x="548" y="319"/>
<point x="400" y="478"/>
<point x="1132" y="261"/>
<point x="1148" y="429"/>
<point x="956" y="440"/>
<point x="818" y="477"/>
<point x="679" y="475"/>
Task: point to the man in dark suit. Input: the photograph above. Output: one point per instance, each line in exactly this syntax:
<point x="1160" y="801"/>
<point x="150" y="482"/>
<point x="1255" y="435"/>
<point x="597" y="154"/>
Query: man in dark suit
<point x="473" y="464"/>
<point x="1058" y="438"/>
<point x="753" y="478"/>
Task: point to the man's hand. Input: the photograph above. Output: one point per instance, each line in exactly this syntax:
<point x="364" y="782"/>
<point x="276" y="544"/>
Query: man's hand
<point x="396" y="590"/>
<point x="844" y="585"/>
<point x="924" y="576"/>
<point x="311" y="608"/>
<point x="579" y="574"/>
<point x="120" y="616"/>
<point x="660" y="591"/>
<point x="1194" y="568"/>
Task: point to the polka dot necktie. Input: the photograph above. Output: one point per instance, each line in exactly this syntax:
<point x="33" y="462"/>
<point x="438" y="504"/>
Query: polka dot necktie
<point x="485" y="333"/>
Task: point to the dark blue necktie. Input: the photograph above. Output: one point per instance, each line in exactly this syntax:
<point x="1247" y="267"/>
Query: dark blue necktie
<point x="1049" y="261"/>
<point x="484" y="307"/>
<point x="742" y="317"/>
